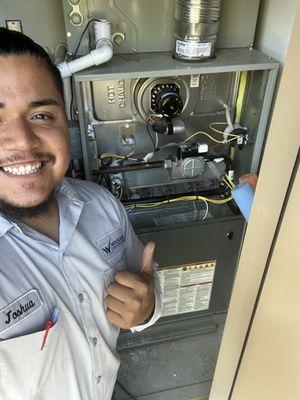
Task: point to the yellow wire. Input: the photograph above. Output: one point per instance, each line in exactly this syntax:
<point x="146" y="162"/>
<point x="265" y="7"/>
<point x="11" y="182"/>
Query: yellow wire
<point x="222" y="133"/>
<point x="229" y="181"/>
<point x="110" y="155"/>
<point x="183" y="198"/>
<point x="226" y="183"/>
<point x="116" y="155"/>
<point x="202" y="133"/>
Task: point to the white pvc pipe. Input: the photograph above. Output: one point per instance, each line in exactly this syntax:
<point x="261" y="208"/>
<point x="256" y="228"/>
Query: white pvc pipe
<point x="100" y="55"/>
<point x="67" y="96"/>
<point x="102" y="30"/>
<point x="96" y="57"/>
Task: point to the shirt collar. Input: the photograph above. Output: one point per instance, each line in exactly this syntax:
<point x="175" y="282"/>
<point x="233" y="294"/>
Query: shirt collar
<point x="5" y="225"/>
<point x="64" y="187"/>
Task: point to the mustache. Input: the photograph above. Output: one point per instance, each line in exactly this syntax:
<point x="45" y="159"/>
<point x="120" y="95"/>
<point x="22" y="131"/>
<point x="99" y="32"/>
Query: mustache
<point x="35" y="156"/>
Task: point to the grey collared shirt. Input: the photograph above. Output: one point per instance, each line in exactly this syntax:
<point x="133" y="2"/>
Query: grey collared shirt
<point x="79" y="359"/>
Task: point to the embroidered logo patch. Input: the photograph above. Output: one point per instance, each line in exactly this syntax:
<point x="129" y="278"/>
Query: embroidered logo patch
<point x="19" y="309"/>
<point x="111" y="243"/>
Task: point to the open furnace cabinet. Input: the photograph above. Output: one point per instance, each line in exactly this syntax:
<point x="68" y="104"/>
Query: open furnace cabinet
<point x="162" y="135"/>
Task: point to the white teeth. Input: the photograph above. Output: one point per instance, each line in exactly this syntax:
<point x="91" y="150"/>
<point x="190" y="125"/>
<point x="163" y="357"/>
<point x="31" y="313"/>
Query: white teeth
<point x="24" y="170"/>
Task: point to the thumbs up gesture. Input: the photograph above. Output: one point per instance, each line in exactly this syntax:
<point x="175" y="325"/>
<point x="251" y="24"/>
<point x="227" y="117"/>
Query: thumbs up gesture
<point x="130" y="299"/>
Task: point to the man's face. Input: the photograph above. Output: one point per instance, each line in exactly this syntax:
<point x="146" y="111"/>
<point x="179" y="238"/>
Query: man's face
<point x="34" y="141"/>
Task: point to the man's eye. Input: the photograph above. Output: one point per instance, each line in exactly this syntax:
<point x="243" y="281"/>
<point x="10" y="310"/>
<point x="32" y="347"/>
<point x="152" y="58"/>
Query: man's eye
<point x="42" y="116"/>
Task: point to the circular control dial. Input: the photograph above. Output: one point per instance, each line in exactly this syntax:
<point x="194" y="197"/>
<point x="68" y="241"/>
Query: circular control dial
<point x="166" y="100"/>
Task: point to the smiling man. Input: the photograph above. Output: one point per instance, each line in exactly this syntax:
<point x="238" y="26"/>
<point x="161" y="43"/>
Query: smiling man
<point x="72" y="271"/>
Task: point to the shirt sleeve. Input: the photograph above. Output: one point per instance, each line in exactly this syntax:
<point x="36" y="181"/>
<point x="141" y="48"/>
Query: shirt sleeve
<point x="133" y="257"/>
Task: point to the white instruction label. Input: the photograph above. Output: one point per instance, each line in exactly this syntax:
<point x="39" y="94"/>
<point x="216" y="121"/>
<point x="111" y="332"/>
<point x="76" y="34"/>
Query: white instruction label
<point x="194" y="80"/>
<point x="186" y="288"/>
<point x="193" y="49"/>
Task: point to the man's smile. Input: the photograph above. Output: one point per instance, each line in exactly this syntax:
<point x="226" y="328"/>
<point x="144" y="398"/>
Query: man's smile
<point x="25" y="168"/>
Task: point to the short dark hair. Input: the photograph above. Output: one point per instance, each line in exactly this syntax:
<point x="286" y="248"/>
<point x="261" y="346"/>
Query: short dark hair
<point x="14" y="43"/>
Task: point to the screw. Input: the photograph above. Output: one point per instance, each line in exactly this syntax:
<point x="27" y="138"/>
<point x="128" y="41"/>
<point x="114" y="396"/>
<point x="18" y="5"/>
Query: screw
<point x="229" y="235"/>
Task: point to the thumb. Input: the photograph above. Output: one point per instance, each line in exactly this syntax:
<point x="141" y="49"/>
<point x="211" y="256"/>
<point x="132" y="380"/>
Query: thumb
<point x="147" y="260"/>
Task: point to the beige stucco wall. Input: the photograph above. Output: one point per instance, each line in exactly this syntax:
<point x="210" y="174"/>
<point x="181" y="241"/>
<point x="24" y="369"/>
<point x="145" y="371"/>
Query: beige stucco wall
<point x="278" y="162"/>
<point x="42" y="20"/>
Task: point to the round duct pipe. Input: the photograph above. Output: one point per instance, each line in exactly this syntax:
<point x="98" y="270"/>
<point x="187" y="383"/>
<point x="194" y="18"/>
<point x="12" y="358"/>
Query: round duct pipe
<point x="196" y="28"/>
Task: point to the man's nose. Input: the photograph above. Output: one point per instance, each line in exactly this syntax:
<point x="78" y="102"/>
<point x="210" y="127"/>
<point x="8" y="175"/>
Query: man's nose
<point x="21" y="136"/>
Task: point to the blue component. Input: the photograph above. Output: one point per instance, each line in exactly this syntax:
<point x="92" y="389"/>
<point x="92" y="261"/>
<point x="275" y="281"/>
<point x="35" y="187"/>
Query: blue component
<point x="243" y="195"/>
<point x="54" y="315"/>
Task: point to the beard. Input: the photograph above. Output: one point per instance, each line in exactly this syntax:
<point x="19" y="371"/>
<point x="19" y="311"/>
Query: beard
<point x="22" y="213"/>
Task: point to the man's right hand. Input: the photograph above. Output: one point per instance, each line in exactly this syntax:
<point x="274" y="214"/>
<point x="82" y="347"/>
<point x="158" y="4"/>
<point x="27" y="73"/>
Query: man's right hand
<point x="250" y="178"/>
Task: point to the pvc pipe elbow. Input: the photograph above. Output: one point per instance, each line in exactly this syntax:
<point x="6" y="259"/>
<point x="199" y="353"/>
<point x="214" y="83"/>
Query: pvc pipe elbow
<point x="64" y="69"/>
<point x="96" y="57"/>
<point x="102" y="54"/>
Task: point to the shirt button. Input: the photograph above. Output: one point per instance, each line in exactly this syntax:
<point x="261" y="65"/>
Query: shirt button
<point x="80" y="297"/>
<point x="95" y="341"/>
<point x="99" y="379"/>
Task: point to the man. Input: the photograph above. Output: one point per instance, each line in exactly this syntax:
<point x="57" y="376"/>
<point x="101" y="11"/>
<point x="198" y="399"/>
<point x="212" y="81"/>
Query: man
<point x="63" y="246"/>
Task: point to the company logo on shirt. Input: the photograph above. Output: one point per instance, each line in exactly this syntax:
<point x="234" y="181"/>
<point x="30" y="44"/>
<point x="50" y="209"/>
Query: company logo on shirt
<point x="110" y="246"/>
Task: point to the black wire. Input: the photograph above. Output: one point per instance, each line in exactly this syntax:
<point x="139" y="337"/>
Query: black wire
<point x="74" y="55"/>
<point x="72" y="98"/>
<point x="126" y="391"/>
<point x="152" y="140"/>
<point x="81" y="37"/>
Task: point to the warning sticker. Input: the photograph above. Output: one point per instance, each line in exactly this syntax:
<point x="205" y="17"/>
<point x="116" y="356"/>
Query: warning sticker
<point x="193" y="49"/>
<point x="194" y="82"/>
<point x="186" y="288"/>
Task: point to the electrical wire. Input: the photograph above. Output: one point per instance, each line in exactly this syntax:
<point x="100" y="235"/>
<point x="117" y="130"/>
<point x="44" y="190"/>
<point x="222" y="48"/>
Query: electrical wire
<point x="228" y="182"/>
<point x="176" y="199"/>
<point x="206" y="212"/>
<point x="210" y="137"/>
<point x="117" y="183"/>
<point x="129" y="209"/>
<point x="150" y="155"/>
<point x="221" y="132"/>
<point x="74" y="55"/>
<point x="118" y="156"/>
<point x="228" y="116"/>
<point x="156" y="141"/>
<point x="120" y="194"/>
<point x="72" y="98"/>
<point x="83" y="33"/>
<point x="151" y="138"/>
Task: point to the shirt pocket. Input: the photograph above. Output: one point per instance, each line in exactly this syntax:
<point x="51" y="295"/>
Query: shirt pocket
<point x="24" y="367"/>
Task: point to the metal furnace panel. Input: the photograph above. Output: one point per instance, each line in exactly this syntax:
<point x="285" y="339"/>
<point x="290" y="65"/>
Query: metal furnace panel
<point x="143" y="23"/>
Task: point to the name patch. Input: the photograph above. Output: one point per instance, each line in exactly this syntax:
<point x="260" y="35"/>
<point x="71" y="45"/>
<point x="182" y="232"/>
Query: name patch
<point x="19" y="309"/>
<point x="111" y="244"/>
